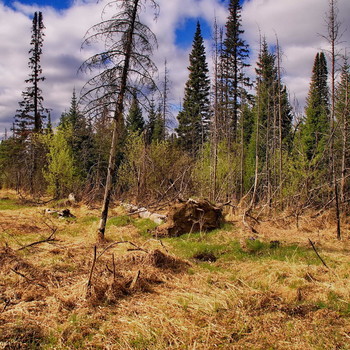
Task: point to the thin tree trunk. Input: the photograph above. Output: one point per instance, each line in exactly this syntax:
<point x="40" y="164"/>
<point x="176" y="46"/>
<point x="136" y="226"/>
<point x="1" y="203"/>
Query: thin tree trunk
<point x="117" y="121"/>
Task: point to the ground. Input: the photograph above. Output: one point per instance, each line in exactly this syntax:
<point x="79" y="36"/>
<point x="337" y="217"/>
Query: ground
<point x="227" y="289"/>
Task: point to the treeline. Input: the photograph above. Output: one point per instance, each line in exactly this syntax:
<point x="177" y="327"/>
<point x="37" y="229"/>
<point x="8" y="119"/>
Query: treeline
<point x="237" y="139"/>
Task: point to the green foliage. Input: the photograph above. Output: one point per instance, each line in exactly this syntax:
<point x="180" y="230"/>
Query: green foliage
<point x="315" y="130"/>
<point x="60" y="174"/>
<point x="227" y="170"/>
<point x="194" y="119"/>
<point x="151" y="170"/>
<point x="134" y="120"/>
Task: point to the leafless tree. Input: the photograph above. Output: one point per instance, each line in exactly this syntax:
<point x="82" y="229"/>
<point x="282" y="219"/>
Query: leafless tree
<point x="124" y="65"/>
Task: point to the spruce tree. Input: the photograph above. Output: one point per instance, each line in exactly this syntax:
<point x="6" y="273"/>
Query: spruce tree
<point x="315" y="131"/>
<point x="194" y="119"/>
<point x="235" y="53"/>
<point x="134" y="120"/>
<point x="265" y="142"/>
<point x="79" y="137"/>
<point x="30" y="115"/>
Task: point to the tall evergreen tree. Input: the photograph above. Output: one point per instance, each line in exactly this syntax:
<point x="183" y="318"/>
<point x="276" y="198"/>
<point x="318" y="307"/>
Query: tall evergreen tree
<point x="194" y="119"/>
<point x="30" y="115"/>
<point x="235" y="53"/>
<point x="134" y="120"/>
<point x="316" y="128"/>
<point x="271" y="97"/>
<point x="79" y="137"/>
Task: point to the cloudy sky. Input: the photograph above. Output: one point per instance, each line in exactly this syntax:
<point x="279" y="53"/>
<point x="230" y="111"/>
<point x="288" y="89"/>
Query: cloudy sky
<point x="298" y="24"/>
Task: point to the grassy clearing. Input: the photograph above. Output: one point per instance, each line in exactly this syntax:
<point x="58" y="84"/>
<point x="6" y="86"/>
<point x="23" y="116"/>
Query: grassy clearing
<point x="225" y="289"/>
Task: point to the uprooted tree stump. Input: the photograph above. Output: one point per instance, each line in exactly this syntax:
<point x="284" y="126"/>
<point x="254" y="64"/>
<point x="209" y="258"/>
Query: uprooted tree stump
<point x="191" y="216"/>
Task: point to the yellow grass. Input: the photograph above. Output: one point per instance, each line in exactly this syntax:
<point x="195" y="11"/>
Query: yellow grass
<point x="244" y="300"/>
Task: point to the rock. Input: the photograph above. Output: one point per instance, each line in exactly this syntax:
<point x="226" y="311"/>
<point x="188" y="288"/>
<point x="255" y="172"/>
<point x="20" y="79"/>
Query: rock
<point x="158" y="218"/>
<point x="144" y="213"/>
<point x="191" y="216"/>
<point x="71" y="198"/>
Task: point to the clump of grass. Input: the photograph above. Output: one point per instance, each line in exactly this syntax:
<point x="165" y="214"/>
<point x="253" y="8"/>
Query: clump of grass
<point x="145" y="226"/>
<point x="119" y="221"/>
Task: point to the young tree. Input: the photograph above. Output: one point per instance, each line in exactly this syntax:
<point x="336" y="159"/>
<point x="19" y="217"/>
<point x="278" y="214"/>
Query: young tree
<point x="271" y="97"/>
<point x="134" y="120"/>
<point x="128" y="46"/>
<point x="30" y="115"/>
<point x="194" y="119"/>
<point x="80" y="138"/>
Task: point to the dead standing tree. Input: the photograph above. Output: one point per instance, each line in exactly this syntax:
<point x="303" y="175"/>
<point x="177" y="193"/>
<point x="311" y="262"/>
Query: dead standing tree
<point x="124" y="66"/>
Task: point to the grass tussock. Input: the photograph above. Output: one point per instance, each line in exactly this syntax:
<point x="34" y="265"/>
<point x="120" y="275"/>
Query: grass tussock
<point x="227" y="289"/>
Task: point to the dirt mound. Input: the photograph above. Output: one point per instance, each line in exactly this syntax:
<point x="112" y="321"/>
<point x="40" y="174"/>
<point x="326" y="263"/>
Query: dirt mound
<point x="191" y="216"/>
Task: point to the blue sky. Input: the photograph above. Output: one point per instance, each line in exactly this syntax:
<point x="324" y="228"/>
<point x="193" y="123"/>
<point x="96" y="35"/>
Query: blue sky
<point x="67" y="21"/>
<point x="58" y="4"/>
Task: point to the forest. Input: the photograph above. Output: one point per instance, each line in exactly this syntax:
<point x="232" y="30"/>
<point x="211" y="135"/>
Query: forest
<point x="272" y="275"/>
<point x="237" y="139"/>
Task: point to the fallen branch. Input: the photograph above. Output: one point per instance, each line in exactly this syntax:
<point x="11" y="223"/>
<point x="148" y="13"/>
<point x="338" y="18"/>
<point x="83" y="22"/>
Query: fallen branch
<point x="318" y="255"/>
<point x="134" y="281"/>
<point x="88" y="286"/>
<point x="7" y="303"/>
<point x="29" y="279"/>
<point x="48" y="239"/>
<point x="121" y="242"/>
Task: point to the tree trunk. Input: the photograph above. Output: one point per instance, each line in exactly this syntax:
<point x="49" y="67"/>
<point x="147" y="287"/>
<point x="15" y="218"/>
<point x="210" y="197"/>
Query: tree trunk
<point x="118" y="119"/>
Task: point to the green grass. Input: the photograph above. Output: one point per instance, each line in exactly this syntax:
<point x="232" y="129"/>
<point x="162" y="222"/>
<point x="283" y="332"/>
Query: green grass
<point x="230" y="250"/>
<point x="120" y="221"/>
<point x="11" y="204"/>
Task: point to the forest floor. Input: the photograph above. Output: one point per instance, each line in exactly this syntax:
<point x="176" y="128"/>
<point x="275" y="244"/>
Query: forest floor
<point x="227" y="289"/>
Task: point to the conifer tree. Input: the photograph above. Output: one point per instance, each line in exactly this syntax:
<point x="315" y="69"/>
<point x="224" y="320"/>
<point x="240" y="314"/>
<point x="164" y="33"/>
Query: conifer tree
<point x="194" y="119"/>
<point x="30" y="115"/>
<point x="235" y="53"/>
<point x="79" y="137"/>
<point x="316" y="128"/>
<point x="271" y="96"/>
<point x="134" y="120"/>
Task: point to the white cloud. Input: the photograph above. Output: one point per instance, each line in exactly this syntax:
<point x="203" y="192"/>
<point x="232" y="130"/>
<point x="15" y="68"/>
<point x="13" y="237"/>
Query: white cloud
<point x="296" y="22"/>
<point x="299" y="25"/>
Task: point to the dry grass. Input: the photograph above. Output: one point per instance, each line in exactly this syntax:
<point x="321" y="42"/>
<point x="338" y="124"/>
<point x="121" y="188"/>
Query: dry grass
<point x="255" y="295"/>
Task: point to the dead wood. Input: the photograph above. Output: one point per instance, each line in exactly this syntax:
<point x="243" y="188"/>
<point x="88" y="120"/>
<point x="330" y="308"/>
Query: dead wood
<point x="29" y="279"/>
<point x="191" y="216"/>
<point x="48" y="239"/>
<point x="91" y="270"/>
<point x="318" y="255"/>
<point x="135" y="279"/>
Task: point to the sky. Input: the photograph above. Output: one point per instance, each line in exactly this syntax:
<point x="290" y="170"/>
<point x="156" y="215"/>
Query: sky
<point x="299" y="25"/>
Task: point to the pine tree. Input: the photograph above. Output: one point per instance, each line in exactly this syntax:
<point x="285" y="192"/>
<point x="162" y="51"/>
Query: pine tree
<point x="316" y="128"/>
<point x="265" y="142"/>
<point x="79" y="137"/>
<point x="194" y="119"/>
<point x="234" y="57"/>
<point x="134" y="120"/>
<point x="30" y="115"/>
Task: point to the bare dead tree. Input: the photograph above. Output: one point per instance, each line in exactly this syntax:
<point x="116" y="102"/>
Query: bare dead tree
<point x="333" y="38"/>
<point x="124" y="66"/>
